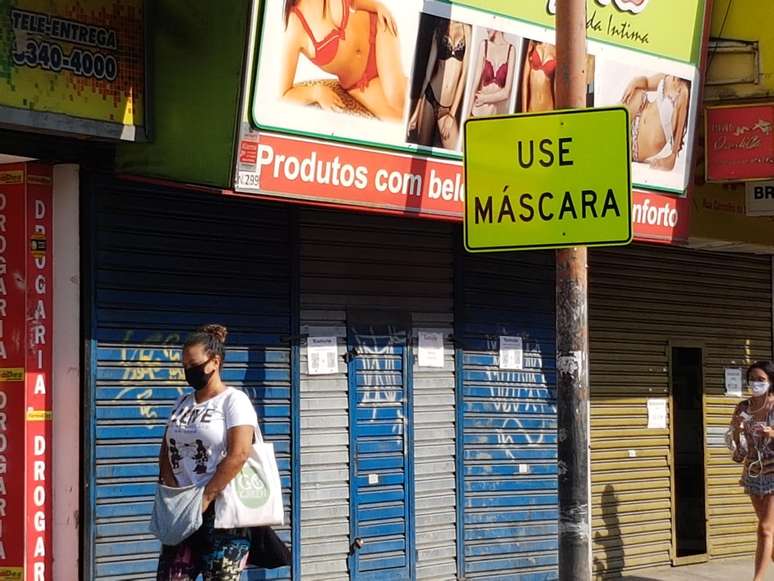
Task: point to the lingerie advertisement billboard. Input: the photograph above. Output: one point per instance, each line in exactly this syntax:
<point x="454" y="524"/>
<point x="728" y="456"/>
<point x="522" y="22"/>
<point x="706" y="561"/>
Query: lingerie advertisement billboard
<point x="405" y="75"/>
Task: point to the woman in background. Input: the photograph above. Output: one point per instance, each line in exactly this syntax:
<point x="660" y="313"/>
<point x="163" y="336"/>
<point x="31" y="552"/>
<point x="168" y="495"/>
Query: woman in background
<point x="435" y="120"/>
<point x="493" y="76"/>
<point x="354" y="40"/>
<point x="750" y="438"/>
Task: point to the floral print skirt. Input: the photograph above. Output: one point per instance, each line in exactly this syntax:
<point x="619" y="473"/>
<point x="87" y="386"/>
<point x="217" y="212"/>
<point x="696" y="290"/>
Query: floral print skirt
<point x="216" y="554"/>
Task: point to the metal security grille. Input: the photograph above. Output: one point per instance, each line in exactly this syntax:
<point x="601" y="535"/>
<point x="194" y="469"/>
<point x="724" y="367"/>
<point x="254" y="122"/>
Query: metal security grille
<point x="380" y="464"/>
<point x="166" y="261"/>
<point x="508" y="432"/>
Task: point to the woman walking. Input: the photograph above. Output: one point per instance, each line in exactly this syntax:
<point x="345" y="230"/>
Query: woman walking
<point x="751" y="434"/>
<point x="207" y="441"/>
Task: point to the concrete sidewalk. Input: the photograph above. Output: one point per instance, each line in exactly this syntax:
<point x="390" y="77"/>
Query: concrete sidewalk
<point x="720" y="570"/>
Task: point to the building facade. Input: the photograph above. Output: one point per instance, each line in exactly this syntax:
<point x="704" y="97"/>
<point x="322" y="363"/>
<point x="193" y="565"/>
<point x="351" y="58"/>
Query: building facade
<point x="408" y="386"/>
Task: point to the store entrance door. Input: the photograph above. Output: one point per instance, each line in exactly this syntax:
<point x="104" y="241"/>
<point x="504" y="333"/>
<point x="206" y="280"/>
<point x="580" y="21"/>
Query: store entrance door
<point x="380" y="459"/>
<point x="688" y="429"/>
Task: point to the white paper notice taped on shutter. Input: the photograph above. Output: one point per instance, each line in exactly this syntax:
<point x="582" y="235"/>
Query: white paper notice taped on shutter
<point x="322" y="355"/>
<point x="511" y="353"/>
<point x="657" y="414"/>
<point x="733" y="382"/>
<point x="431" y="352"/>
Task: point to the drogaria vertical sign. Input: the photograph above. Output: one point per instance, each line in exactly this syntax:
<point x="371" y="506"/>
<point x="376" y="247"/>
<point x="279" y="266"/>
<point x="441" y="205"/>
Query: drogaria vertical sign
<point x="38" y="374"/>
<point x="25" y="368"/>
<point x="12" y="363"/>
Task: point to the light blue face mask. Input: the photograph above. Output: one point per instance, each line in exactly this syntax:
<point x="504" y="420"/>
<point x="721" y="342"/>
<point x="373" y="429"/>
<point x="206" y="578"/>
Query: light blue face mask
<point x="759" y="388"/>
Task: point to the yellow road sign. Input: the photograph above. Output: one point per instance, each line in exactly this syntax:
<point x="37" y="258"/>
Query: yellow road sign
<point x="548" y="180"/>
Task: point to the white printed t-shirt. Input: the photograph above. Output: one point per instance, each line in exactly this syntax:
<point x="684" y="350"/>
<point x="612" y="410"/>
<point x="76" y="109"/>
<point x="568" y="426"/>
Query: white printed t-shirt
<point x="197" y="433"/>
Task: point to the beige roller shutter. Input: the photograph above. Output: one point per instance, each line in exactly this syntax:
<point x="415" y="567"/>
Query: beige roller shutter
<point x="642" y="299"/>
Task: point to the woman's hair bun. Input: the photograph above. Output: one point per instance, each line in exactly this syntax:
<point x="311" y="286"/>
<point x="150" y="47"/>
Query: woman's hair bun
<point x="218" y="332"/>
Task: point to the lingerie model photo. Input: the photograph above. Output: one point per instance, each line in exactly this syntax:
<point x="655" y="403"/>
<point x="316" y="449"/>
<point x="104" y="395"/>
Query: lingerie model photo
<point x="658" y="110"/>
<point x="325" y="50"/>
<point x="538" y="64"/>
<point x="538" y="77"/>
<point x="446" y="51"/>
<point x="493" y="84"/>
<point x="667" y="106"/>
<point x="354" y="41"/>
<point x="490" y="76"/>
<point x="439" y="85"/>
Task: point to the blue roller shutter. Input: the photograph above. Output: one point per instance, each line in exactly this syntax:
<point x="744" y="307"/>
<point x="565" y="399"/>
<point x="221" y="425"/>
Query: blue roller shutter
<point x="362" y="263"/>
<point x="507" y="419"/>
<point x="380" y="461"/>
<point x="166" y="261"/>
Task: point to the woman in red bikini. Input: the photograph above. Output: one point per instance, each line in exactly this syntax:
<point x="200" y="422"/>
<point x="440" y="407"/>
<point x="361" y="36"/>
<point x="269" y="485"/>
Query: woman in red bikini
<point x="494" y="76"/>
<point x="435" y="120"/>
<point x="537" y="77"/>
<point x="354" y="40"/>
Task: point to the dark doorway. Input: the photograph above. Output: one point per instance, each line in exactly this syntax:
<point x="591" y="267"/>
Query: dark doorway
<point x="688" y="426"/>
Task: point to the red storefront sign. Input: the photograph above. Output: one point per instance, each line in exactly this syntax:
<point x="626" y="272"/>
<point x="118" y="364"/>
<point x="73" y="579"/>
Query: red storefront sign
<point x="338" y="175"/>
<point x="25" y="367"/>
<point x="38" y="491"/>
<point x="13" y="270"/>
<point x="660" y="218"/>
<point x="739" y="143"/>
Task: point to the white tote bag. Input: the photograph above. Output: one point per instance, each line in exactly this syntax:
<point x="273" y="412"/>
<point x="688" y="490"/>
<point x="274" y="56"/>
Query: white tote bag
<point x="254" y="497"/>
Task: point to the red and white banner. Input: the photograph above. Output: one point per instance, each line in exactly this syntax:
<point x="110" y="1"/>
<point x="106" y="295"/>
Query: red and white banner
<point x="25" y="367"/>
<point x="326" y="173"/>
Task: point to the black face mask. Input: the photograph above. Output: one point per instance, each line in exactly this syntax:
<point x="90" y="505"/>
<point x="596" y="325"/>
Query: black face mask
<point x="196" y="377"/>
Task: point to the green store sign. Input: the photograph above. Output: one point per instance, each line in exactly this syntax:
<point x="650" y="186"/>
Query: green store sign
<point x="666" y="28"/>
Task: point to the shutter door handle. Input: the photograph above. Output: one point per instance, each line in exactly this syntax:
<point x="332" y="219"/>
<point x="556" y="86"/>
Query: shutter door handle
<point x="356" y="545"/>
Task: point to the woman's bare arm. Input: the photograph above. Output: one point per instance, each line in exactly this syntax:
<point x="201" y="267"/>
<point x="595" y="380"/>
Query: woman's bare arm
<point x="166" y="476"/>
<point x="368" y="5"/>
<point x="478" y="74"/>
<point x="413" y="121"/>
<point x="525" y="73"/>
<point x="678" y="134"/>
<point x="291" y="49"/>
<point x="682" y="119"/>
<point x="460" y="91"/>
<point x="431" y="62"/>
<point x="384" y="14"/>
<point x="653" y="81"/>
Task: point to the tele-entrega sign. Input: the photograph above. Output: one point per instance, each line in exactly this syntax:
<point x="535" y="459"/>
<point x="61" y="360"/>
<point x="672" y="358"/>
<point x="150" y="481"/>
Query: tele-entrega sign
<point x="73" y="67"/>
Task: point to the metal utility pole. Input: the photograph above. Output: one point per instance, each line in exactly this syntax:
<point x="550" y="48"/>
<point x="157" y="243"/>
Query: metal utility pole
<point x="572" y="342"/>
